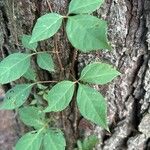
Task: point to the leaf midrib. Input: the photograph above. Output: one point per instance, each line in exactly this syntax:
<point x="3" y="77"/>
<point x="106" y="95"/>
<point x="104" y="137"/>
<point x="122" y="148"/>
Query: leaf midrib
<point x="44" y="30"/>
<point x="84" y="78"/>
<point x="84" y="29"/>
<point x="9" y="68"/>
<point x="60" y="98"/>
<point x="91" y="104"/>
<point x="32" y="140"/>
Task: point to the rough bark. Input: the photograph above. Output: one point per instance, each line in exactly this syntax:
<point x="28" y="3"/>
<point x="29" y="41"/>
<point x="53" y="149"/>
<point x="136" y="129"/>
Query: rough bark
<point x="128" y="96"/>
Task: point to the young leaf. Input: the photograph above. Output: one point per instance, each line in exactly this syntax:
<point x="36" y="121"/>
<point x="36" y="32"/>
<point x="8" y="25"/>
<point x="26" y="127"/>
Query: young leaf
<point x="98" y="73"/>
<point x="30" y="141"/>
<point x="87" y="33"/>
<point x="45" y="61"/>
<point x="84" y="6"/>
<point x="92" y="105"/>
<point x="46" y="26"/>
<point x="26" y="42"/>
<point x="16" y="96"/>
<point x="30" y="74"/>
<point x="13" y="67"/>
<point x="54" y="140"/>
<point x="32" y="116"/>
<point x="60" y="96"/>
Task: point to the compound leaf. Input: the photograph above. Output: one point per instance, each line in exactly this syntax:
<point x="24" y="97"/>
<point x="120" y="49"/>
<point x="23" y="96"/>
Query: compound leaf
<point x="13" y="67"/>
<point x="16" y="96"/>
<point x="26" y="42"/>
<point x="46" y="26"/>
<point x="98" y="73"/>
<point x="45" y="61"/>
<point x="32" y="116"/>
<point x="84" y="6"/>
<point x="60" y="96"/>
<point x="92" y="105"/>
<point x="54" y="140"/>
<point x="87" y="33"/>
<point x="30" y="141"/>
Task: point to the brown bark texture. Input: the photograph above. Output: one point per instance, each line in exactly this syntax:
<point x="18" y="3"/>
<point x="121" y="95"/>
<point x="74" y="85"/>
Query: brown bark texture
<point x="128" y="96"/>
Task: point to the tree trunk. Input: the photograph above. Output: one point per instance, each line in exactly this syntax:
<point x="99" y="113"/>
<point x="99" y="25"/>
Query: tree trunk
<point x="128" y="96"/>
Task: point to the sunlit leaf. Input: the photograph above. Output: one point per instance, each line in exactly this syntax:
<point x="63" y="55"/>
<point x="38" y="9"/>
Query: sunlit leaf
<point x="98" y="73"/>
<point x="30" y="74"/>
<point x="32" y="116"/>
<point x="30" y="141"/>
<point x="87" y="33"/>
<point x="26" y="42"/>
<point x="92" y="105"/>
<point x="16" y="96"/>
<point x="60" y="96"/>
<point x="46" y="26"/>
<point x="54" y="140"/>
<point x="84" y="6"/>
<point x="45" y="61"/>
<point x="13" y="67"/>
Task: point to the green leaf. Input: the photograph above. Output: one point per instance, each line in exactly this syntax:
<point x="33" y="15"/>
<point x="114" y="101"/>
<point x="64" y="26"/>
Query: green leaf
<point x="46" y="26"/>
<point x="16" y="96"/>
<point x="92" y="105"/>
<point x="32" y="116"/>
<point x="45" y="61"/>
<point x="79" y="144"/>
<point x="30" y="74"/>
<point x="90" y="142"/>
<point x="41" y="87"/>
<point x="26" y="42"/>
<point x="84" y="6"/>
<point x="13" y="67"/>
<point x="30" y="141"/>
<point x="60" y="96"/>
<point x="98" y="73"/>
<point x="54" y="140"/>
<point x="87" y="33"/>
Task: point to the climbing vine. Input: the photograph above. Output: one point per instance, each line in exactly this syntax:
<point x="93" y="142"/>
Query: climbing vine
<point x="86" y="33"/>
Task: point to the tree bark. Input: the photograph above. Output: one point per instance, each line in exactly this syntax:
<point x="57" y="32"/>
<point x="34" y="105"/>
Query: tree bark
<point x="128" y="96"/>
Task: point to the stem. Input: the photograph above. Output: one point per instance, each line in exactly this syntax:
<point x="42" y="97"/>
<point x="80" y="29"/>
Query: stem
<point x="49" y="6"/>
<point x="38" y="82"/>
<point x="57" y="54"/>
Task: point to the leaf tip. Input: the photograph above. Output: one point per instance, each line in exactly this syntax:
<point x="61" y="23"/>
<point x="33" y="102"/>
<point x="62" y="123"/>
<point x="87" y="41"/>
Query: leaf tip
<point x="107" y="129"/>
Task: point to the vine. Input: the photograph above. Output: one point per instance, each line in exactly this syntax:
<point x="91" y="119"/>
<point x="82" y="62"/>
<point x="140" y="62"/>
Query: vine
<point x="86" y="33"/>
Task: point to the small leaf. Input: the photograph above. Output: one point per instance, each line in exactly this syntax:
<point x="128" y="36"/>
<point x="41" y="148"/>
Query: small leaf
<point x="46" y="26"/>
<point x="26" y="42"/>
<point x="92" y="105"/>
<point x="32" y="116"/>
<point x="87" y="33"/>
<point x="98" y="73"/>
<point x="16" y="96"/>
<point x="84" y="6"/>
<point x="41" y="86"/>
<point x="60" y="96"/>
<point x="90" y="142"/>
<point x="54" y="140"/>
<point x="45" y="61"/>
<point x="79" y="144"/>
<point x="30" y="141"/>
<point x="30" y="74"/>
<point x="13" y="67"/>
